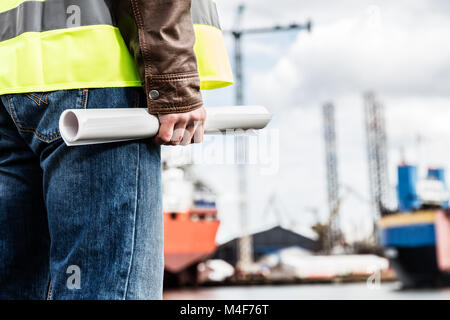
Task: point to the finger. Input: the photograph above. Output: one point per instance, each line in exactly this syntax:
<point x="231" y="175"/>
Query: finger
<point x="198" y="134"/>
<point x="178" y="133"/>
<point x="189" y="133"/>
<point x="165" y="133"/>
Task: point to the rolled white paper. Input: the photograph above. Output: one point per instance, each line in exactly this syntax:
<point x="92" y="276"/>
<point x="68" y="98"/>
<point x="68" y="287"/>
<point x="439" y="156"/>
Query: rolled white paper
<point x="93" y="126"/>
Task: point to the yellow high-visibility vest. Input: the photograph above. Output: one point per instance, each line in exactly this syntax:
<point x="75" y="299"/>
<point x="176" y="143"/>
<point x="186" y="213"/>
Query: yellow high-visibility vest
<point x="48" y="45"/>
<point x="212" y="59"/>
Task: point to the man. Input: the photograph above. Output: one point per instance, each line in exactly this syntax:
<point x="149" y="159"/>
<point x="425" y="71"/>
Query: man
<point x="86" y="222"/>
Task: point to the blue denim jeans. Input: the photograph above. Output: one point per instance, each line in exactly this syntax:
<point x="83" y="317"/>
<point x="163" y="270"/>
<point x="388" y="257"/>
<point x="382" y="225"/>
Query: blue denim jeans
<point x="77" y="222"/>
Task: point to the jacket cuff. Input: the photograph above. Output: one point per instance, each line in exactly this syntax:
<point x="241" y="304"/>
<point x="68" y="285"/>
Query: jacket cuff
<point x="173" y="93"/>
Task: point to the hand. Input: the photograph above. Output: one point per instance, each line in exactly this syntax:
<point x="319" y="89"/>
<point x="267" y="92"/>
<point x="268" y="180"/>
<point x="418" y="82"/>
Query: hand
<point x="181" y="128"/>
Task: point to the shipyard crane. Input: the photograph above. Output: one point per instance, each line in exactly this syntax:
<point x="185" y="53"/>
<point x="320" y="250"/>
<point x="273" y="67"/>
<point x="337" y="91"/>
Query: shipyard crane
<point x="376" y="141"/>
<point x="328" y="112"/>
<point x="245" y="243"/>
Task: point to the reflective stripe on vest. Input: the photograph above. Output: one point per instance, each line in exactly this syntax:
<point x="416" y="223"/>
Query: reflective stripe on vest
<point x="212" y="59"/>
<point x="62" y="44"/>
<point x="36" y="16"/>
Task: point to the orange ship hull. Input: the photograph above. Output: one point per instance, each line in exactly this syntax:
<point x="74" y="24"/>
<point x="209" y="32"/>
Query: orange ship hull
<point x="189" y="238"/>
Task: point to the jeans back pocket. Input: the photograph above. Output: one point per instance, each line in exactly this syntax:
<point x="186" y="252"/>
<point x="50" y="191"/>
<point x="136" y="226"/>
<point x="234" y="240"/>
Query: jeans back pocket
<point x="38" y="113"/>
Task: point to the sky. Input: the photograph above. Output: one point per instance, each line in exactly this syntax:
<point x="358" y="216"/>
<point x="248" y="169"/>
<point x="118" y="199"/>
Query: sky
<point x="397" y="49"/>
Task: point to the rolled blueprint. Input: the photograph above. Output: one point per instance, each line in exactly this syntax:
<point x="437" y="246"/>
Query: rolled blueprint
<point x="93" y="126"/>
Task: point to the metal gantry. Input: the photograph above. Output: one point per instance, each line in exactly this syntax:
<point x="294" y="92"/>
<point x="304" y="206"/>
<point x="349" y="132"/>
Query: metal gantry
<point x="245" y="242"/>
<point x="376" y="141"/>
<point x="332" y="174"/>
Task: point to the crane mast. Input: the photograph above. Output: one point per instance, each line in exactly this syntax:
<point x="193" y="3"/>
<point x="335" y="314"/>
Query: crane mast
<point x="376" y="142"/>
<point x="329" y="121"/>
<point x="245" y="243"/>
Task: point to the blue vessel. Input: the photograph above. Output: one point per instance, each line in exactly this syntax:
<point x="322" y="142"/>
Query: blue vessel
<point x="409" y="235"/>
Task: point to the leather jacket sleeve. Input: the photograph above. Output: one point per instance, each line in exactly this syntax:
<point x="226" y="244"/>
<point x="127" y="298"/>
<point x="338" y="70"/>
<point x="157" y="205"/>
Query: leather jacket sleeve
<point x="162" y="41"/>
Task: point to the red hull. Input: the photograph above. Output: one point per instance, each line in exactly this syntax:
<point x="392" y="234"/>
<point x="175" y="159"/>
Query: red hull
<point x="189" y="238"/>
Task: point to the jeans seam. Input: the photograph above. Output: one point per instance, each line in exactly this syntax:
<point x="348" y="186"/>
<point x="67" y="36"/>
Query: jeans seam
<point x="46" y="138"/>
<point x="41" y="99"/>
<point x="84" y="98"/>
<point x="31" y="98"/>
<point x="134" y="223"/>
<point x="49" y="295"/>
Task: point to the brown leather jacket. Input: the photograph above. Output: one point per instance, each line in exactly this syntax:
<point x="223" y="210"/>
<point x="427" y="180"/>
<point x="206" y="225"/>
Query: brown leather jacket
<point x="160" y="35"/>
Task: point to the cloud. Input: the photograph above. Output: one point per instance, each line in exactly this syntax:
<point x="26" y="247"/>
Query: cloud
<point x="376" y="47"/>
